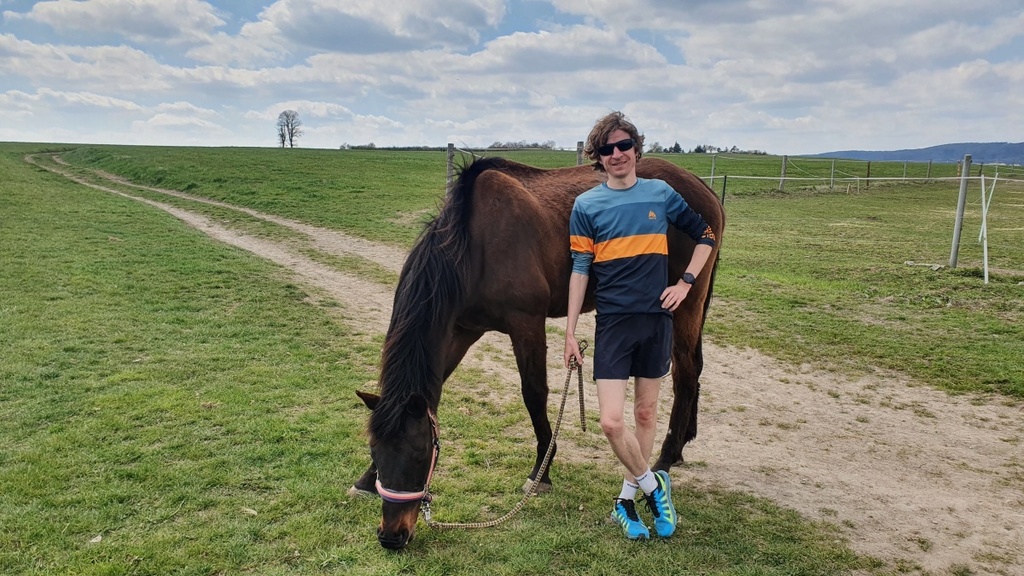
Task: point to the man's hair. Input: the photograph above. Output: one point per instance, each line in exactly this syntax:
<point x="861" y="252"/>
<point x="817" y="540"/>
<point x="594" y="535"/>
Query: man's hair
<point x="599" y="136"/>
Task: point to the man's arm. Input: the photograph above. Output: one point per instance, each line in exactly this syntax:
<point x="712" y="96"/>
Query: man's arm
<point x="577" y="291"/>
<point x="674" y="295"/>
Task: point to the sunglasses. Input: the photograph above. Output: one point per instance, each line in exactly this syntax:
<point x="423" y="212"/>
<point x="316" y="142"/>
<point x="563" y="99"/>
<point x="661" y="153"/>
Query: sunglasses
<point x="622" y="145"/>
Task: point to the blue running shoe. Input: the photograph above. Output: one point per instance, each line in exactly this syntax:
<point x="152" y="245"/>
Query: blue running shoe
<point x="624" y="513"/>
<point x="660" y="504"/>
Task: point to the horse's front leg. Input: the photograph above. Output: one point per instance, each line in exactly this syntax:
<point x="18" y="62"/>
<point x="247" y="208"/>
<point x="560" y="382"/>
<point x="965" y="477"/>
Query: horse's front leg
<point x="462" y="339"/>
<point x="529" y="342"/>
<point x="367" y="483"/>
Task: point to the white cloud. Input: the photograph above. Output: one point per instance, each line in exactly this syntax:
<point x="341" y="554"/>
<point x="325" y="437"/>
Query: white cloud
<point x="136" y="20"/>
<point x="48" y="97"/>
<point x="304" y="108"/>
<point x="165" y="120"/>
<point x="100" y="68"/>
<point x="254" y="45"/>
<point x="375" y="26"/>
<point x="563" y="50"/>
<point x="782" y="76"/>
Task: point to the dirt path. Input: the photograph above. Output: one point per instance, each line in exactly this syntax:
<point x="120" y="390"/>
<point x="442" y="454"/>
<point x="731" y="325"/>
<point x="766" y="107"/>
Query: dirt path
<point x="929" y="483"/>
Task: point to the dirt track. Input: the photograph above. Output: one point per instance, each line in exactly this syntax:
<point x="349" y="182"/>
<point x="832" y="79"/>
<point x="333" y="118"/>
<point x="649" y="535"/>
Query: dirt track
<point x="929" y="483"/>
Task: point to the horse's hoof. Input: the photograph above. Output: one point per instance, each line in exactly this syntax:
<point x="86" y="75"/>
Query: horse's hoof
<point x="542" y="487"/>
<point x="359" y="493"/>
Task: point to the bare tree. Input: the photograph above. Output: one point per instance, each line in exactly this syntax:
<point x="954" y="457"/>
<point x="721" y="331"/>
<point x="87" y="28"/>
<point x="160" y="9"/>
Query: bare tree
<point x="289" y="128"/>
<point x="282" y="134"/>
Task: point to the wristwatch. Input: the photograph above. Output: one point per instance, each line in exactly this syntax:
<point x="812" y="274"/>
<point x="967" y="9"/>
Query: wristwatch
<point x="689" y="278"/>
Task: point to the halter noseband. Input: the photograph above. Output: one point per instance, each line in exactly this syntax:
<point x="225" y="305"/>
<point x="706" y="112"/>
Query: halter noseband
<point x="401" y="497"/>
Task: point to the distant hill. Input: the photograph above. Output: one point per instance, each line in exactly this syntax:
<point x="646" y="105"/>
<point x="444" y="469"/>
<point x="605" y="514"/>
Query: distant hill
<point x="981" y="153"/>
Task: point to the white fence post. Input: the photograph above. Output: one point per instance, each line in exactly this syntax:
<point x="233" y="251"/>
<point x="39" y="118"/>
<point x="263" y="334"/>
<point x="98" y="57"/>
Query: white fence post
<point x="451" y="164"/>
<point x="984" y="225"/>
<point x="782" y="178"/>
<point x="579" y="153"/>
<point x="965" y="174"/>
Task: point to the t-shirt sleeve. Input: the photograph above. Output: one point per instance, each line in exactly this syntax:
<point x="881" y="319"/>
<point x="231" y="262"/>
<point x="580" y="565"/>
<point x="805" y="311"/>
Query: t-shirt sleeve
<point x="581" y="240"/>
<point x="688" y="220"/>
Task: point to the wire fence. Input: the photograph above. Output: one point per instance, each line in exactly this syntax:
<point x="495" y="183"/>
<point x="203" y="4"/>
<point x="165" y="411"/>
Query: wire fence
<point x="731" y="175"/>
<point x="739" y="174"/>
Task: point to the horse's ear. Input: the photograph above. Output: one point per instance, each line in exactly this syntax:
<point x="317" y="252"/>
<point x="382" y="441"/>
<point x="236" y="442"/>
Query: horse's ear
<point x="369" y="399"/>
<point x="416" y="406"/>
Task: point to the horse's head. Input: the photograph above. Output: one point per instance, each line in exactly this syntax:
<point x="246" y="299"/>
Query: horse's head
<point x="403" y="446"/>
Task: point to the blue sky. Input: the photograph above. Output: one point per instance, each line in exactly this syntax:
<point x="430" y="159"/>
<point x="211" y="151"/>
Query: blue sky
<point x="783" y="76"/>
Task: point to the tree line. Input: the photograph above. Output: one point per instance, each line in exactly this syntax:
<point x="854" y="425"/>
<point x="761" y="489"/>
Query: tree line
<point x="657" y="148"/>
<point x="289" y="129"/>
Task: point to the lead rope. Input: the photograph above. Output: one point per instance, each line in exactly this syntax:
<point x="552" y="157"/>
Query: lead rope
<point x="573" y="365"/>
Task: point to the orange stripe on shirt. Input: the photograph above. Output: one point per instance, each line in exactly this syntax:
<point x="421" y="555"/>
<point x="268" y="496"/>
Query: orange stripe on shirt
<point x="581" y="244"/>
<point x="631" y="246"/>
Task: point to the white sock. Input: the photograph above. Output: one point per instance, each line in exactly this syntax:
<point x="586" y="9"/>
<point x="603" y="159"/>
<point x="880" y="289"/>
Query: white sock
<point x="628" y="490"/>
<point x="647" y="481"/>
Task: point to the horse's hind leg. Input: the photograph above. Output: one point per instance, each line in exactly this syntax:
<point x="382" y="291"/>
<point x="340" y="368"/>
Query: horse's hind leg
<point x="687" y="364"/>
<point x="529" y="342"/>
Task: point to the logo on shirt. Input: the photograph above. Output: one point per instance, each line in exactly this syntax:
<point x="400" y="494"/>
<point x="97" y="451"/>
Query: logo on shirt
<point x="651" y="215"/>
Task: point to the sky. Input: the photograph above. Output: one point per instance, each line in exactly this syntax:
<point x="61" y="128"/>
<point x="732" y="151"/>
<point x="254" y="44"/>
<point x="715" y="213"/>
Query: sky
<point x="779" y="76"/>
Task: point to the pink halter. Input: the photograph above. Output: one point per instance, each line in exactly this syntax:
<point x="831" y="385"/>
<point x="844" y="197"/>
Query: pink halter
<point x="401" y="497"/>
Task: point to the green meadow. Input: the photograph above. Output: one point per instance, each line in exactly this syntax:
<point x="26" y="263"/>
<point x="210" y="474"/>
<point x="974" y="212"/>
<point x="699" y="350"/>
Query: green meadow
<point x="172" y="405"/>
<point x="814" y="273"/>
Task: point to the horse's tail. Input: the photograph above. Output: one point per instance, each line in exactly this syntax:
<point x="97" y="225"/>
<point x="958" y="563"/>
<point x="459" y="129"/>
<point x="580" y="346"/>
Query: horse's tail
<point x="711" y="292"/>
<point x="431" y="288"/>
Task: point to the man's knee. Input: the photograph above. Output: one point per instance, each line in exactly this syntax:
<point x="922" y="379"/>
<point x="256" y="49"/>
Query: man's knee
<point x="612" y="425"/>
<point x="646" y="416"/>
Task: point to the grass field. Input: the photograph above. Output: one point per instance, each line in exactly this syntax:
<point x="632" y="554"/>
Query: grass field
<point x="170" y="405"/>
<point x="808" y="275"/>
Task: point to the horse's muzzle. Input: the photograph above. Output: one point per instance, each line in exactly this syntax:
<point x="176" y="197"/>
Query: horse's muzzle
<point x="398" y="524"/>
<point x="394" y="540"/>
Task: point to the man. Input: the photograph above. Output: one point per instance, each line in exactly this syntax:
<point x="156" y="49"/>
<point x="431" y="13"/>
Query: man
<point x="618" y="232"/>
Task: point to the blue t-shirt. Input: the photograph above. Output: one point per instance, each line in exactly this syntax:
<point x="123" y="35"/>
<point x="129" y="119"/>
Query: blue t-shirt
<point x="620" y="237"/>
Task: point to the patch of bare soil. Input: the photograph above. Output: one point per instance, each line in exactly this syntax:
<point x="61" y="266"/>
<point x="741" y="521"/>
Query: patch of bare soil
<point x="930" y="483"/>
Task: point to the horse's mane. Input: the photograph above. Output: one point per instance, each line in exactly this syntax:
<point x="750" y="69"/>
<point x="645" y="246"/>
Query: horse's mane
<point x="431" y="286"/>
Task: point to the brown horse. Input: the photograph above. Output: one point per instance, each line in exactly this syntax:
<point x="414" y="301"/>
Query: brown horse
<point x="497" y="258"/>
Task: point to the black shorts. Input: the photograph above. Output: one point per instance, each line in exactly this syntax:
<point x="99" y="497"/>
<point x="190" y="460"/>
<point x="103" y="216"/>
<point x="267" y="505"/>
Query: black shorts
<point x="637" y="345"/>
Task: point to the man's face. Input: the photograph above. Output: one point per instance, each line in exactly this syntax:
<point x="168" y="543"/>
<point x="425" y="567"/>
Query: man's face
<point x="619" y="164"/>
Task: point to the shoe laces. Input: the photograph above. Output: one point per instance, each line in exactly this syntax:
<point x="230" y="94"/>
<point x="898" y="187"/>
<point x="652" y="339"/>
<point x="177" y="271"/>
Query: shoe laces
<point x="630" y="509"/>
<point x="652" y="503"/>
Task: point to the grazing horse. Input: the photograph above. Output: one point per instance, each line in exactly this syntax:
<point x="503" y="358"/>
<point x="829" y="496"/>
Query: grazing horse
<point x="496" y="257"/>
